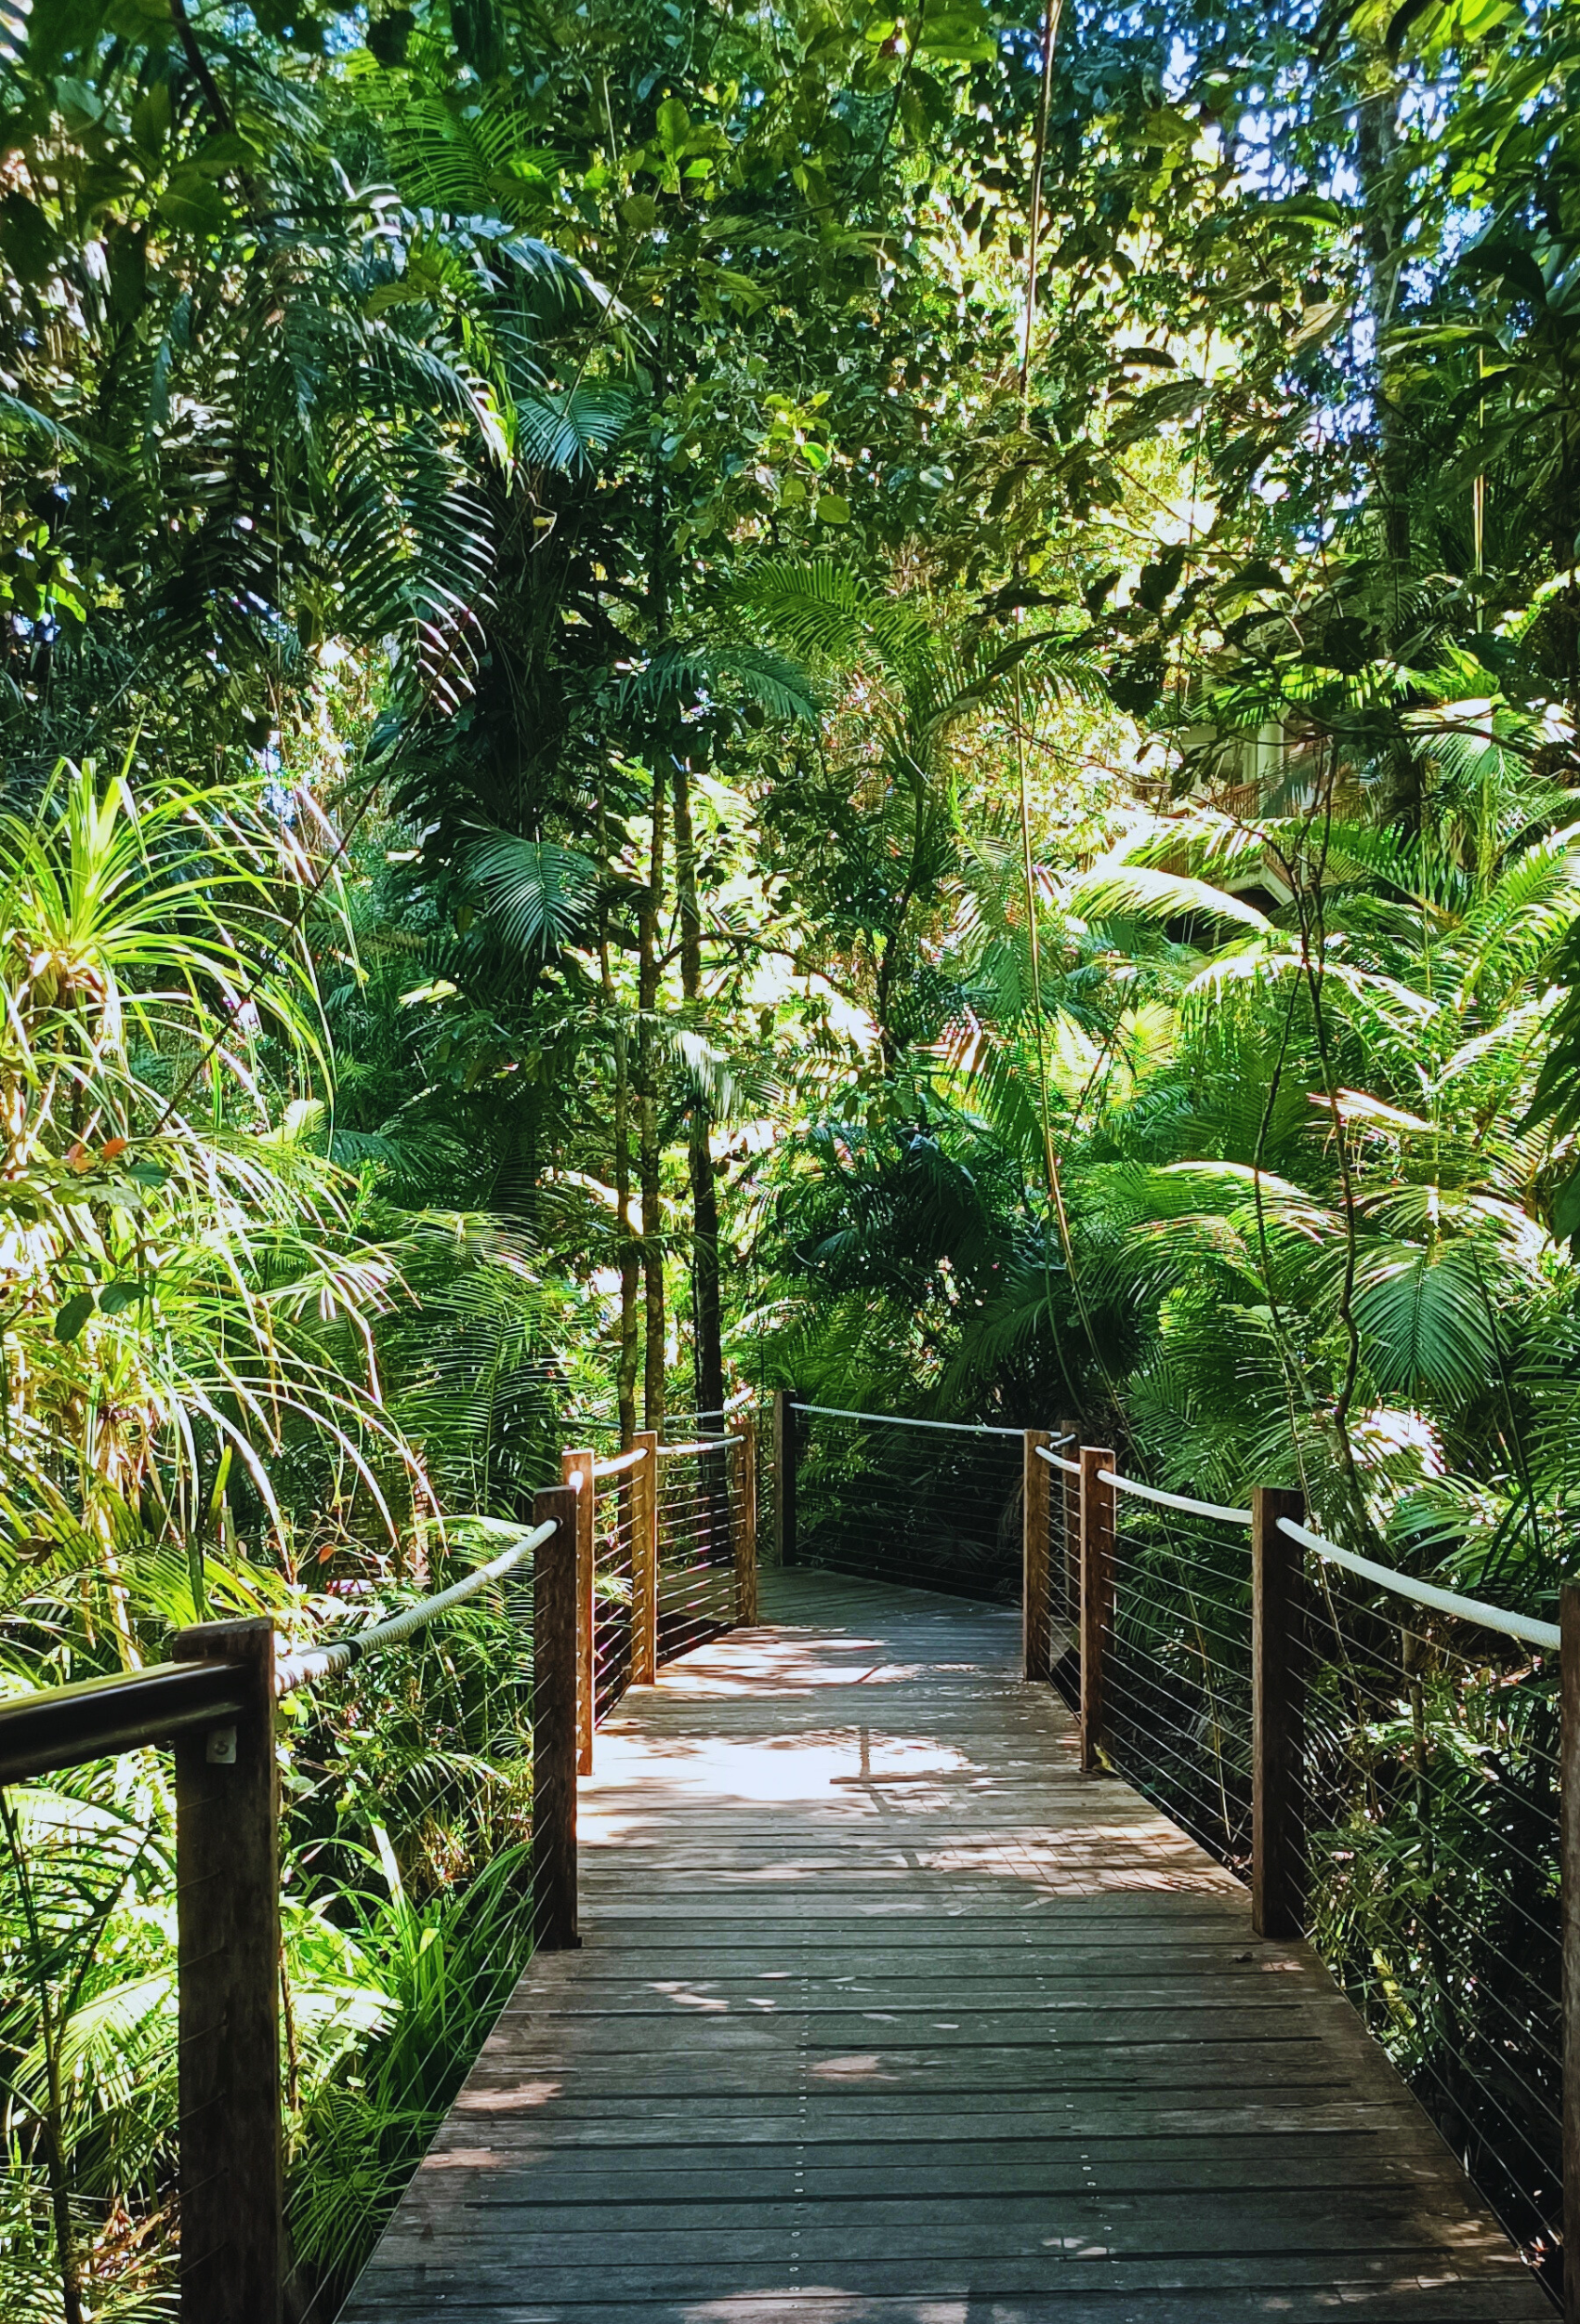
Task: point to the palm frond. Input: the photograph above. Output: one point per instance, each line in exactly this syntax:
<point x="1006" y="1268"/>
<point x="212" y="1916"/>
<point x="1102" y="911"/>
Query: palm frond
<point x="539" y="895"/>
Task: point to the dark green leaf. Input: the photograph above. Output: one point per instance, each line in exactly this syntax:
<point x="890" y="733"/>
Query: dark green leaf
<point x="116" y="1298"/>
<point x="73" y="1316"/>
<point x="26" y="237"/>
<point x="191" y="202"/>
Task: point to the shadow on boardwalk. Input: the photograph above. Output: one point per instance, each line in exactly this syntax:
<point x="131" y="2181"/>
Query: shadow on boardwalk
<point x="886" y="2013"/>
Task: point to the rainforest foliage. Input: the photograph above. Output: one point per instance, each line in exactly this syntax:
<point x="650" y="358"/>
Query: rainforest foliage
<point x="697" y="695"/>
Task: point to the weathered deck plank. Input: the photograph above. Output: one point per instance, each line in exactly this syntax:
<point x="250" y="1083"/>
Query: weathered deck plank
<point x="886" y="2015"/>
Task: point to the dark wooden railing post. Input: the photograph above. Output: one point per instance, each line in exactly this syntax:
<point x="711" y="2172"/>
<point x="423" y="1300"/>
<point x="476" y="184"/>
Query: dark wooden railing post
<point x="745" y="1460"/>
<point x="784" y="1455"/>
<point x="555" y="1671"/>
<point x="644" y="1564"/>
<point x="1097" y="1594"/>
<point x="1036" y="1613"/>
<point x="228" y="2010"/>
<point x="1278" y="1715"/>
<point x="1569" y="1860"/>
<point x="574" y="1466"/>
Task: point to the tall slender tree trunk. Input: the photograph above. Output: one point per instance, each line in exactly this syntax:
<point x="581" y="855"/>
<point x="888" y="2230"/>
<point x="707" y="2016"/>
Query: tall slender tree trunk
<point x="630" y="1249"/>
<point x="1383" y="231"/>
<point x="1383" y="235"/>
<point x="707" y="1318"/>
<point x="648" y="1150"/>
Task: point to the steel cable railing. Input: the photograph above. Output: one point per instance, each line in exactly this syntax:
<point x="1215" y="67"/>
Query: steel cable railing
<point x="1176" y="1660"/>
<point x="445" y="1734"/>
<point x="668" y="1531"/>
<point x="1061" y="1623"/>
<point x="620" y="1484"/>
<point x="324" y="2016"/>
<point x="1427" y="1786"/>
<point x="1379" y="1757"/>
<point x="935" y="1505"/>
<point x="429" y="1755"/>
<point x="698" y="1492"/>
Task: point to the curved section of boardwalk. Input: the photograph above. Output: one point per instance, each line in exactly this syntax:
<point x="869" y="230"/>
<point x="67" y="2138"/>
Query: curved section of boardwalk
<point x="885" y="2013"/>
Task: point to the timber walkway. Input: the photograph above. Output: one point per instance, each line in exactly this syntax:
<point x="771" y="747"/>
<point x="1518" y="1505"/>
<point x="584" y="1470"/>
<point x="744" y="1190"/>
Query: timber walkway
<point x="884" y="2011"/>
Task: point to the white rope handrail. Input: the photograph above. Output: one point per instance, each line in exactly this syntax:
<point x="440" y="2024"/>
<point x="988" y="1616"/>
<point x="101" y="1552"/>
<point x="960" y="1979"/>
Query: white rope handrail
<point x="323" y="1662"/>
<point x="1192" y="1507"/>
<point x="618" y="1463"/>
<point x="1056" y="1460"/>
<point x="896" y="1420"/>
<point x="702" y="1445"/>
<point x="1522" y="1626"/>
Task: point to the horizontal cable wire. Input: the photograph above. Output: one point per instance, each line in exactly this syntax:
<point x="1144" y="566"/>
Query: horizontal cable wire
<point x="1522" y="1626"/>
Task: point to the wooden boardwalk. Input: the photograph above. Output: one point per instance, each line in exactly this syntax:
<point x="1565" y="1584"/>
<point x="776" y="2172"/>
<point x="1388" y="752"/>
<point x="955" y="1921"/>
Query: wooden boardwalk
<point x="886" y="2015"/>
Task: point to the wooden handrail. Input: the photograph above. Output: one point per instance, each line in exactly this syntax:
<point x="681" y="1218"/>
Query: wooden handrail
<point x="63" y="1726"/>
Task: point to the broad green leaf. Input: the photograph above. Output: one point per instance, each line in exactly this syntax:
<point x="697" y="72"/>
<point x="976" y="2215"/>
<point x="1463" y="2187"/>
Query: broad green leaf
<point x="73" y="1316"/>
<point x="672" y="121"/>
<point x="193" y="201"/>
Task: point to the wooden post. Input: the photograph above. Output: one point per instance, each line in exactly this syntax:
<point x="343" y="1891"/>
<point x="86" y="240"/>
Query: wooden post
<point x="1097" y="1594"/>
<point x="784" y="1455"/>
<point x="575" y="1465"/>
<point x="1568" y="1858"/>
<point x="644" y="1565"/>
<point x="228" y="2008"/>
<point x="1071" y="1431"/>
<point x="1277" y="1716"/>
<point x="745" y="1458"/>
<point x="556" y="1665"/>
<point x="1036" y="1611"/>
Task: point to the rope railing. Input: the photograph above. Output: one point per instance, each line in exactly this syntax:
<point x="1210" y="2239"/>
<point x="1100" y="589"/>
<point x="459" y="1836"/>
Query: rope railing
<point x="667" y="1558"/>
<point x="1383" y="1760"/>
<point x="1056" y="1460"/>
<point x="896" y="1420"/>
<point x="1523" y="1627"/>
<point x="619" y="1463"/>
<point x="489" y="1696"/>
<point x="312" y="1663"/>
<point x="1185" y="1502"/>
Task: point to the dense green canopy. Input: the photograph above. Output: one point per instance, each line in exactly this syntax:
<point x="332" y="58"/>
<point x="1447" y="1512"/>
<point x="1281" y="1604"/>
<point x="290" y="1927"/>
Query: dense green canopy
<point x="760" y="694"/>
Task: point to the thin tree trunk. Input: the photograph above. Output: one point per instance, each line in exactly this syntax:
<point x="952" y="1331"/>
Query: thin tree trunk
<point x="707" y="1321"/>
<point x="630" y="1252"/>
<point x="706" y="1274"/>
<point x="630" y="1249"/>
<point x="1383" y="231"/>
<point x="648" y="1153"/>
